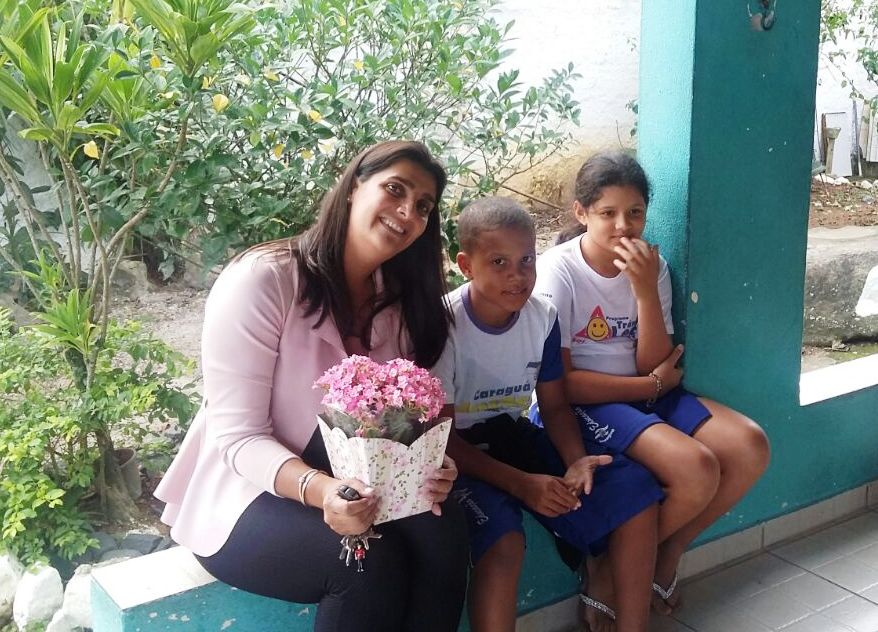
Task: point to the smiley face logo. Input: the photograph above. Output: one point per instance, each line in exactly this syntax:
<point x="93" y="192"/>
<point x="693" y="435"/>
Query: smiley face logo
<point x="598" y="328"/>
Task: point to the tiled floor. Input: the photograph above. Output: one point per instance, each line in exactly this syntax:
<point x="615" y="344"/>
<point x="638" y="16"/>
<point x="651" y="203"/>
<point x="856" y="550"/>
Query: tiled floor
<point x="826" y="582"/>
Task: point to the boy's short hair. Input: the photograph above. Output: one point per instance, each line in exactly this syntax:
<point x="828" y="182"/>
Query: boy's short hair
<point x="490" y="213"/>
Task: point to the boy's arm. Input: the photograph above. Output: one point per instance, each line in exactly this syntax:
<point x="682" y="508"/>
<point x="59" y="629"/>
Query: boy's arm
<point x="544" y="494"/>
<point x="564" y="433"/>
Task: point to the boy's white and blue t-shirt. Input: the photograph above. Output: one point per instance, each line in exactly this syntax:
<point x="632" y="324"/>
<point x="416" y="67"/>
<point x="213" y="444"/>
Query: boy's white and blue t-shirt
<point x="488" y="371"/>
<point x="489" y="374"/>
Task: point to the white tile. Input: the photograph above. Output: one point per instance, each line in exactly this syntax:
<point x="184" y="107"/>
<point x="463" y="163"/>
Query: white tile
<point x="658" y="623"/>
<point x="816" y="623"/>
<point x="740" y="581"/>
<point x="864" y="529"/>
<point x="797" y="523"/>
<point x="850" y="501"/>
<point x="817" y="549"/>
<point x="815" y="592"/>
<point x="856" y="613"/>
<point x="701" y="559"/>
<point x="848" y="572"/>
<point x="872" y="494"/>
<point x="870" y="593"/>
<point x="151" y="577"/>
<point x="743" y="543"/>
<point x="869" y="555"/>
<point x="727" y="619"/>
<point x="775" y="608"/>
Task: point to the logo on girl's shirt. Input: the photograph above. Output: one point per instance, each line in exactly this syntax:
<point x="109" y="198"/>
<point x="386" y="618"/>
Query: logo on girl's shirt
<point x="603" y="329"/>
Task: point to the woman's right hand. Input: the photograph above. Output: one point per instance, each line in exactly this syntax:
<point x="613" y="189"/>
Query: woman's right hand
<point x="349" y="517"/>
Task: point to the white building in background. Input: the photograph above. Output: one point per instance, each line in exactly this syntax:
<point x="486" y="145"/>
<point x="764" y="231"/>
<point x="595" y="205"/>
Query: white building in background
<point x="601" y="39"/>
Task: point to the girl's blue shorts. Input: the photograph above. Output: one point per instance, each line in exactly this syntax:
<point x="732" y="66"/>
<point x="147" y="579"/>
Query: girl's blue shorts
<point x="620" y="491"/>
<point x="611" y="428"/>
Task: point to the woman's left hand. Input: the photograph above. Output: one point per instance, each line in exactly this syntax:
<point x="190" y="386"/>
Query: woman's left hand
<point x="439" y="484"/>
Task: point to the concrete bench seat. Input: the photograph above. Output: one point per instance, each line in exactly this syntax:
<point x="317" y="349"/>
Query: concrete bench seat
<point x="169" y="590"/>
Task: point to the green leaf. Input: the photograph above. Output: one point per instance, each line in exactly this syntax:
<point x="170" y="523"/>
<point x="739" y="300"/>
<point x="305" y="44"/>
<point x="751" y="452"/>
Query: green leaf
<point x="97" y="129"/>
<point x="37" y="134"/>
<point x="14" y="98"/>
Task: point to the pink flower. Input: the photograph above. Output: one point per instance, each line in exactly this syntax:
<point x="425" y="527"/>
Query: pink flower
<point x="371" y="392"/>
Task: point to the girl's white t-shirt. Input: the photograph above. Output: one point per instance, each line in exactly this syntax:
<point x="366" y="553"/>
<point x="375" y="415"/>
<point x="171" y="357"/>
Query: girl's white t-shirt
<point x="597" y="315"/>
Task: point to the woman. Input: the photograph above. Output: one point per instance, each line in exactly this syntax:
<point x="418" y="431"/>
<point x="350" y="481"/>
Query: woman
<point x="242" y="493"/>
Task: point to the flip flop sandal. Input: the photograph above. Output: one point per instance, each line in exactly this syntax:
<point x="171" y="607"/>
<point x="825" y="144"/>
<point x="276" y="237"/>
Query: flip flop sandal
<point x="665" y="593"/>
<point x="601" y="607"/>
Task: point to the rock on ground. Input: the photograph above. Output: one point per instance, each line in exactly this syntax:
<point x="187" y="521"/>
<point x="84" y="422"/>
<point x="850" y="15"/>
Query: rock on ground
<point x="10" y="574"/>
<point x="38" y="596"/>
<point x="839" y="261"/>
<point x="76" y="608"/>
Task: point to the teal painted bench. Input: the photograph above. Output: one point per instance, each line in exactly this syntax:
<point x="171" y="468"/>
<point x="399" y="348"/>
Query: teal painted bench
<point x="170" y="591"/>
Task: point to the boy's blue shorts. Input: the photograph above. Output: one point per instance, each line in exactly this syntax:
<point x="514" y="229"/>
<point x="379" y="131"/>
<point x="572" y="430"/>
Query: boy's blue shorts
<point x="611" y="428"/>
<point x="620" y="491"/>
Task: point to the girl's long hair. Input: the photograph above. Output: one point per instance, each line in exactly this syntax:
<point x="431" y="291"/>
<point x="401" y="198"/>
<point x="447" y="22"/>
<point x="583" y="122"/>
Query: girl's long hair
<point x="604" y="169"/>
<point x="413" y="278"/>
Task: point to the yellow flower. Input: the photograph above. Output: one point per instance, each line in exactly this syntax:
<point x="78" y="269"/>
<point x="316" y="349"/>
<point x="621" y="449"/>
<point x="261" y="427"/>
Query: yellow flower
<point x="359" y="65"/>
<point x="278" y="150"/>
<point x="168" y="95"/>
<point x="315" y="116"/>
<point x="154" y="61"/>
<point x="206" y="82"/>
<point x="341" y="21"/>
<point x="306" y="154"/>
<point x="220" y="102"/>
<point x="271" y="75"/>
<point x="91" y="150"/>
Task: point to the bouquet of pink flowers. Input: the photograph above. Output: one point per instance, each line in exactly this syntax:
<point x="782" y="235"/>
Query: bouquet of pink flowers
<point x="380" y="426"/>
<point x="396" y="400"/>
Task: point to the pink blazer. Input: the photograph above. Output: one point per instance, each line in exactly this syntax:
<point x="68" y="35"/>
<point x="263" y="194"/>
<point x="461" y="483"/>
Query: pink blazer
<point x="260" y="357"/>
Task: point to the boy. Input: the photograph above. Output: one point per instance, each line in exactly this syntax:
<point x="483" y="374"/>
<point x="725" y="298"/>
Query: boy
<point x="504" y="347"/>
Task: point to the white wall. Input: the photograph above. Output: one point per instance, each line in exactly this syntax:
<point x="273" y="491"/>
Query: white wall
<point x="600" y="38"/>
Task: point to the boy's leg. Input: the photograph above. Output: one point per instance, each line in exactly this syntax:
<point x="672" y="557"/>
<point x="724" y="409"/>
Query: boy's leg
<point x="494" y="585"/>
<point x="496" y="550"/>
<point x="742" y="452"/>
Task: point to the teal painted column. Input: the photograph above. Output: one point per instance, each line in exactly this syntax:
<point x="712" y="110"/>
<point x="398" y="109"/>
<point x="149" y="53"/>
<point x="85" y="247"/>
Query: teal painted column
<point x="725" y="133"/>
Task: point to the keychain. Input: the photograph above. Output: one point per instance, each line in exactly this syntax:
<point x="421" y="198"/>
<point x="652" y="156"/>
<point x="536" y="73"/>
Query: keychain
<point x="355" y="546"/>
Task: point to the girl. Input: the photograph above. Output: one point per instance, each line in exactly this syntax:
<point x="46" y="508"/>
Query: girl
<point x="612" y="290"/>
<point x="249" y="492"/>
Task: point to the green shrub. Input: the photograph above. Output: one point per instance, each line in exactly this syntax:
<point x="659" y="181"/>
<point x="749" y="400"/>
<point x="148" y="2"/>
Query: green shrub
<point x="49" y="455"/>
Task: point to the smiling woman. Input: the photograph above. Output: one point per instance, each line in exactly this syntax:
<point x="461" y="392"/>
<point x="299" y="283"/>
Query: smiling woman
<point x="249" y="492"/>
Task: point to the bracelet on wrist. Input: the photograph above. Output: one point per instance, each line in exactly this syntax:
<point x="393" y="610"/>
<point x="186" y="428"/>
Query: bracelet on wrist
<point x="658" y="389"/>
<point x="305" y="480"/>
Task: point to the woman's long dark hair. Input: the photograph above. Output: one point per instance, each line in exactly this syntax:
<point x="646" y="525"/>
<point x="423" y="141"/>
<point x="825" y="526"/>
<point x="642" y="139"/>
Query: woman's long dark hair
<point x="414" y="278"/>
<point x="604" y="169"/>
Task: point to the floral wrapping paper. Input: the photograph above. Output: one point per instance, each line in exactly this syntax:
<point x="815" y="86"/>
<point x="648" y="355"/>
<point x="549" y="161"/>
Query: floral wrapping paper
<point x="396" y="471"/>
